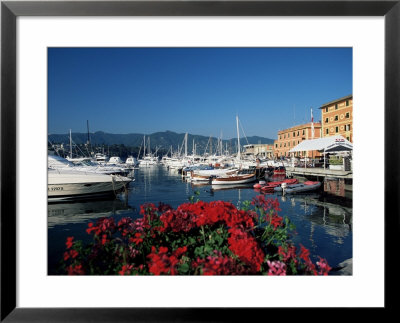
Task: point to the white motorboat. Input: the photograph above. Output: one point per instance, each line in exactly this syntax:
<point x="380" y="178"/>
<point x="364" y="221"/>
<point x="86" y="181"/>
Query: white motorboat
<point x="115" y="160"/>
<point x="132" y="162"/>
<point x="71" y="185"/>
<point x="101" y="158"/>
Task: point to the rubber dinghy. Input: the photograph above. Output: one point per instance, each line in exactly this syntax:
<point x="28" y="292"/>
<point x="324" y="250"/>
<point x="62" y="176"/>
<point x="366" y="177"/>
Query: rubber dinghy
<point x="271" y="185"/>
<point x="303" y="187"/>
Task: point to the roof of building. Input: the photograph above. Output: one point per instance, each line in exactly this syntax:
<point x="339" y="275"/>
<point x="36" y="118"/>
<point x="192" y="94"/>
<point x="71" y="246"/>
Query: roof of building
<point x="325" y="143"/>
<point x="337" y="100"/>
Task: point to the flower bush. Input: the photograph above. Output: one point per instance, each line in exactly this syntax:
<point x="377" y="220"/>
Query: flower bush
<point x="197" y="238"/>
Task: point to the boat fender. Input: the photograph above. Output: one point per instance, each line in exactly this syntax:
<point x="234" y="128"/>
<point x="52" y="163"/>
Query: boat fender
<point x="284" y="186"/>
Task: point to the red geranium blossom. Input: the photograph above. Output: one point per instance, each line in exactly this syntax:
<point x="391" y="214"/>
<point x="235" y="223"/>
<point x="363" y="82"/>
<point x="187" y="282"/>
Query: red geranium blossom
<point x="69" y="242"/>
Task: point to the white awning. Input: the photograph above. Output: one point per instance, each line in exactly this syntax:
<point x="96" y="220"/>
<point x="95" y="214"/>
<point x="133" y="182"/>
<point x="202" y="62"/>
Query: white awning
<point x="322" y="144"/>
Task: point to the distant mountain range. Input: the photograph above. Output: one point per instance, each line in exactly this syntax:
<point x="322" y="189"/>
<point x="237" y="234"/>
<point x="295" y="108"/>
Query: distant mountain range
<point x="162" y="140"/>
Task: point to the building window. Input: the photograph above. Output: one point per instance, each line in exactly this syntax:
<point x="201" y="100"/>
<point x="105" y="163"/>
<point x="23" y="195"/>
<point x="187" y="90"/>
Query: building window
<point x="294" y="143"/>
<point x="347" y="103"/>
<point x="327" y="131"/>
<point x="304" y="132"/>
<point x="347" y="127"/>
<point x="337" y="129"/>
<point x="347" y="115"/>
<point x="336" y="106"/>
<point x="326" y="120"/>
<point x="284" y="145"/>
<point x="348" y="138"/>
<point x="336" y="118"/>
<point x="276" y="145"/>
<point x="326" y="109"/>
<point x="288" y="135"/>
<point x="294" y="134"/>
<point x="289" y="144"/>
<point x="298" y="133"/>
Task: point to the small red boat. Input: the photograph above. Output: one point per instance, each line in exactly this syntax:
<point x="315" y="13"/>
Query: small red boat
<point x="281" y="170"/>
<point x="259" y="185"/>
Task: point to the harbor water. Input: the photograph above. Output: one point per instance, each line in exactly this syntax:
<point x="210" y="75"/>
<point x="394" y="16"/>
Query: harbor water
<point x="323" y="221"/>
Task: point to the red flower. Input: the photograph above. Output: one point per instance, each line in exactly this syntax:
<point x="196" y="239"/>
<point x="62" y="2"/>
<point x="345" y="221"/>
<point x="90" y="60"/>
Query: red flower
<point x="161" y="262"/>
<point x="246" y="248"/>
<point x="126" y="269"/>
<point x="287" y="253"/>
<point x="66" y="256"/>
<point x="69" y="242"/>
<point x="72" y="253"/>
<point x="137" y="239"/>
<point x="276" y="221"/>
<point x="304" y="253"/>
<point x="75" y="270"/>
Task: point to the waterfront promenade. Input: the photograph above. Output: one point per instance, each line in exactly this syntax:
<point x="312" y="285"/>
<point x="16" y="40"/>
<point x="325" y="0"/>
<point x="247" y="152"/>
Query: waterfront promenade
<point x="318" y="172"/>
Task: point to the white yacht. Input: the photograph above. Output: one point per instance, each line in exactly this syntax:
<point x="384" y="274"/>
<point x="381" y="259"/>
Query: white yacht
<point x="60" y="163"/>
<point x="69" y="184"/>
<point x="148" y="161"/>
<point x="132" y="162"/>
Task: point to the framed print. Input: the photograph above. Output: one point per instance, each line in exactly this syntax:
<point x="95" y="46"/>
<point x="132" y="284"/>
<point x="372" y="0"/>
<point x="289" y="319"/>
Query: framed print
<point x="45" y="43"/>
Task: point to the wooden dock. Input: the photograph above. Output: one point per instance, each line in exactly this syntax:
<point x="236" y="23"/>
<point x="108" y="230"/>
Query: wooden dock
<point x="318" y="172"/>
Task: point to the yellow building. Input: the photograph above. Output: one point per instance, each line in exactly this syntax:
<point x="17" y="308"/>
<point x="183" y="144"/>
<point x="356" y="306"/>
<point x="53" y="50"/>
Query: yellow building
<point x="337" y="118"/>
<point x="291" y="137"/>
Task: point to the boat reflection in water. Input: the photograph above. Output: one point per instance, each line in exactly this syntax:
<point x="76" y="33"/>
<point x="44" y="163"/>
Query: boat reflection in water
<point x="85" y="211"/>
<point x="71" y="220"/>
<point x="231" y="187"/>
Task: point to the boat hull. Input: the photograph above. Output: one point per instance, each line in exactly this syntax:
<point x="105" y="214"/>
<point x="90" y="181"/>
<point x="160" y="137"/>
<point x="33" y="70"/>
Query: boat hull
<point x="233" y="180"/>
<point x="72" y="186"/>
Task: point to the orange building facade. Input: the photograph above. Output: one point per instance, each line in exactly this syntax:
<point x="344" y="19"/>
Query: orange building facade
<point x="337" y="118"/>
<point x="291" y="137"/>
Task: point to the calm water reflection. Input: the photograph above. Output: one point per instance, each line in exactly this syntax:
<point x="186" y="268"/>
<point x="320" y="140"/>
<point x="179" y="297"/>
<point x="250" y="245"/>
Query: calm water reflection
<point x="323" y="222"/>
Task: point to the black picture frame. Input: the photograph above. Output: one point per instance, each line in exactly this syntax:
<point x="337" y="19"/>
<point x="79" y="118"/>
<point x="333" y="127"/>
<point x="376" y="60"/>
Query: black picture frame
<point x="10" y="10"/>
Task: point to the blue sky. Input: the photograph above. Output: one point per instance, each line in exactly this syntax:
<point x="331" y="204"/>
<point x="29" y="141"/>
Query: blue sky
<point x="195" y="90"/>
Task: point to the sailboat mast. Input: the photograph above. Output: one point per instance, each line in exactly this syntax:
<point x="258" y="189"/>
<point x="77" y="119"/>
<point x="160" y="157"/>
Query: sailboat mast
<point x="144" y="145"/>
<point x="237" y="130"/>
<point x="88" y="138"/>
<point x="70" y="143"/>
<point x="186" y="137"/>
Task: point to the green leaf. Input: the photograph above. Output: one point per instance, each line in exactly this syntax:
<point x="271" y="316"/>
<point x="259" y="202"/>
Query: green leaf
<point x="184" y="268"/>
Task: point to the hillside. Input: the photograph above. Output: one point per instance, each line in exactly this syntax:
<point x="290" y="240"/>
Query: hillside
<point x="162" y="140"/>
